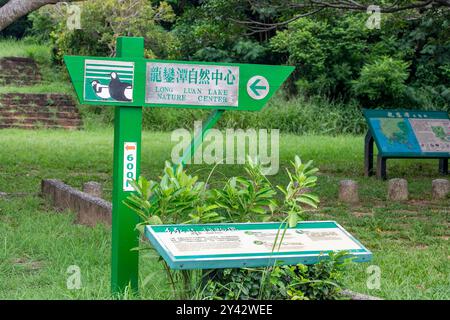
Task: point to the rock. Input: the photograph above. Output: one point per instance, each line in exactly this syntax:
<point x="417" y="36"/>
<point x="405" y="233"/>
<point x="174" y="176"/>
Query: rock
<point x="398" y="190"/>
<point x="440" y="188"/>
<point x="93" y="188"/>
<point x="3" y="194"/>
<point x="348" y="191"/>
<point x="90" y="210"/>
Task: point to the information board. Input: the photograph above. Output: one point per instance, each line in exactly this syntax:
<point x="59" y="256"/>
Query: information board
<point x="237" y="245"/>
<point x="405" y="133"/>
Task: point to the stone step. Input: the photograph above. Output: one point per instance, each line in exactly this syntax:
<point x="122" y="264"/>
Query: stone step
<point x="19" y="71"/>
<point x="38" y="121"/>
<point x="32" y="111"/>
<point x="39" y="96"/>
<point x="38" y="114"/>
<point x="36" y="108"/>
<point x="19" y="60"/>
<point x="38" y="103"/>
<point x="32" y="127"/>
<point x="36" y="100"/>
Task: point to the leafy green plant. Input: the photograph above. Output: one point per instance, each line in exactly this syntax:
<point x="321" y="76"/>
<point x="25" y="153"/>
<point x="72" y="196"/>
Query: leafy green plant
<point x="321" y="281"/>
<point x="176" y="198"/>
<point x="102" y="22"/>
<point x="247" y="198"/>
<point x="297" y="194"/>
<point x="382" y="81"/>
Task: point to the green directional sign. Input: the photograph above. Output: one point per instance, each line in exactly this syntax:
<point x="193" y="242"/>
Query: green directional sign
<point x="178" y="84"/>
<point x="130" y="82"/>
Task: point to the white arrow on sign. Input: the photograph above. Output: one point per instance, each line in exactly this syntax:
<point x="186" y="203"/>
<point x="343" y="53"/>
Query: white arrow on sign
<point x="258" y="87"/>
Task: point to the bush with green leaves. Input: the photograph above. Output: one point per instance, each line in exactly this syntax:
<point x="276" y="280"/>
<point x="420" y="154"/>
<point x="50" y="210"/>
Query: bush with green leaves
<point x="321" y="281"/>
<point x="382" y="81"/>
<point x="206" y="33"/>
<point x="328" y="52"/>
<point x="180" y="198"/>
<point x="102" y="21"/>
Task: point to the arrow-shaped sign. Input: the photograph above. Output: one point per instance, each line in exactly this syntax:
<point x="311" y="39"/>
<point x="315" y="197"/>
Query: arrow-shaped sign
<point x="179" y="84"/>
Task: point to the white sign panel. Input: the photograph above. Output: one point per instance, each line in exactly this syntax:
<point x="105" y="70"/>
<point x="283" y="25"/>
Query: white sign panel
<point x="250" y="244"/>
<point x="257" y="241"/>
<point x="129" y="165"/>
<point x="189" y="84"/>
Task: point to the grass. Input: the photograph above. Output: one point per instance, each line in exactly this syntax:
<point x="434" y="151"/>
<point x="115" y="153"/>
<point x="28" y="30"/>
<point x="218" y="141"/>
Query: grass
<point x="14" y="48"/>
<point x="54" y="78"/>
<point x="409" y="240"/>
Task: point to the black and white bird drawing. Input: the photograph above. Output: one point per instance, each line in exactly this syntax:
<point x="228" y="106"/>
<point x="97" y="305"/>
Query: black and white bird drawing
<point x="101" y="90"/>
<point x="120" y="91"/>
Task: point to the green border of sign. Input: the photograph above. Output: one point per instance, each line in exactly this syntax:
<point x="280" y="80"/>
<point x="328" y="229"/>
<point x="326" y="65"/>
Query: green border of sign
<point x="248" y="259"/>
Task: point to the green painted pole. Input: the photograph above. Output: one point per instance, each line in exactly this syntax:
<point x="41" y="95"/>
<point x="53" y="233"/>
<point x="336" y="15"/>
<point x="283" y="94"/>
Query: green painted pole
<point x="127" y="138"/>
<point x="200" y="136"/>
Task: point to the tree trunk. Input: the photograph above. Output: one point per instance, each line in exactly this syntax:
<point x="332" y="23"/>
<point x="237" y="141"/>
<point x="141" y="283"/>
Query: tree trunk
<point x="15" y="9"/>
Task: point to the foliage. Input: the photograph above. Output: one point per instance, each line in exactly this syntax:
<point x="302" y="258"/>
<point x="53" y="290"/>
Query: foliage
<point x="328" y="52"/>
<point x="206" y="33"/>
<point x="175" y="197"/>
<point x="336" y="55"/>
<point x="247" y="199"/>
<point x="382" y="81"/>
<point x="334" y="51"/>
<point x="102" y="21"/>
<point x="297" y="193"/>
<point x="178" y="197"/>
<point x="321" y="281"/>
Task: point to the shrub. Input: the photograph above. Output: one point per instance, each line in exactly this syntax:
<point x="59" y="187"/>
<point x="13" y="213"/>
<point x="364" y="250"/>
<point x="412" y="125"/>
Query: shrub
<point x="102" y="21"/>
<point x="321" y="281"/>
<point x="181" y="198"/>
<point x="382" y="82"/>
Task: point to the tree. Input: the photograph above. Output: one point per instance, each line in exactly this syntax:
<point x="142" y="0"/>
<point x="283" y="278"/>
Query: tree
<point x="15" y="9"/>
<point x="293" y="10"/>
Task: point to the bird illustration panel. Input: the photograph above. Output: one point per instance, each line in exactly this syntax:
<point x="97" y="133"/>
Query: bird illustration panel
<point x="108" y="80"/>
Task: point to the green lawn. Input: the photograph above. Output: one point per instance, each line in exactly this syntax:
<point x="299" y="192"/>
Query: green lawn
<point x="409" y="240"/>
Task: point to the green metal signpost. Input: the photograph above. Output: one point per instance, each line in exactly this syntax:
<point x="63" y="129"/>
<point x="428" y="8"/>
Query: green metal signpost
<point x="130" y="82"/>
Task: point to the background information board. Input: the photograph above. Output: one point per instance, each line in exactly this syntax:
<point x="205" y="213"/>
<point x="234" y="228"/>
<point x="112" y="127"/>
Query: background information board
<point x="410" y="133"/>
<point x="236" y="245"/>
